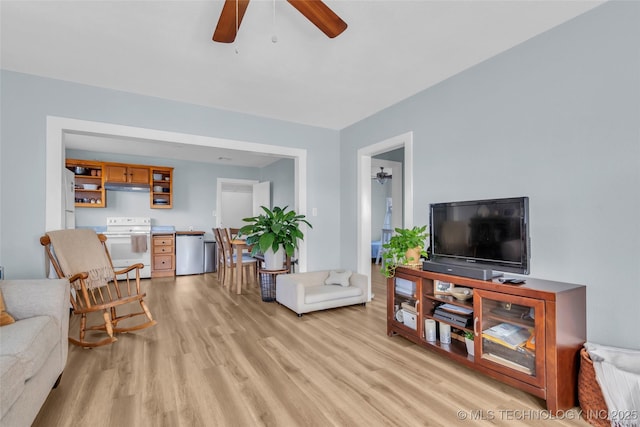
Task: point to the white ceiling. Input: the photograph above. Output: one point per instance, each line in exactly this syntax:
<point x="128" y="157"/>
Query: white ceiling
<point x="391" y="50"/>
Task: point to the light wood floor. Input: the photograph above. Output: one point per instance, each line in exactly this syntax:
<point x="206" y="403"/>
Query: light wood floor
<point x="220" y="359"/>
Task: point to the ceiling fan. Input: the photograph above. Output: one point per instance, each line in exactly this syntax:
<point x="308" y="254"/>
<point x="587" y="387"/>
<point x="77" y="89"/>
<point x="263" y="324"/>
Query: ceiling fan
<point x="382" y="176"/>
<point x="314" y="10"/>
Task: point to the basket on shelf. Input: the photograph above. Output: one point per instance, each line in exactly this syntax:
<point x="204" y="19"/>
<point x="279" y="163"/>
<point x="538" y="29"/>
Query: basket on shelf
<point x="594" y="407"/>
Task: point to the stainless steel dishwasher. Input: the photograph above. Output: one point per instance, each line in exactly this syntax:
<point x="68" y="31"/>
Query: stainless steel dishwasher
<point x="189" y="253"/>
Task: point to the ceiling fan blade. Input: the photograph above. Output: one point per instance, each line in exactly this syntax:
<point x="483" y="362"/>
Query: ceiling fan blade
<point x="227" y="25"/>
<point x="321" y="16"/>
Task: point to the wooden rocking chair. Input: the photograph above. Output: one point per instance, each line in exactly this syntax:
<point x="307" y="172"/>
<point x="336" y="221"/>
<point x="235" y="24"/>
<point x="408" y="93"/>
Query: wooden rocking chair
<point x="82" y="256"/>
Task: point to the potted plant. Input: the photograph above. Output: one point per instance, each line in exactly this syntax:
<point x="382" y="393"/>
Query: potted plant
<point x="405" y="247"/>
<point x="468" y="340"/>
<point x="274" y="233"/>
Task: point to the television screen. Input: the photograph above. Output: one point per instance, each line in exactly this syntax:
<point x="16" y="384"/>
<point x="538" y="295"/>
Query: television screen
<point x="488" y="233"/>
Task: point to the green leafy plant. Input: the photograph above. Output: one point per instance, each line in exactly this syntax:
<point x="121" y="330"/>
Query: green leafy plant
<point x="273" y="228"/>
<point x="395" y="252"/>
<point x="468" y="335"/>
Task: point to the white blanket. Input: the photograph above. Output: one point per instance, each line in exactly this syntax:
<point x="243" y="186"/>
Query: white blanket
<point x="618" y="374"/>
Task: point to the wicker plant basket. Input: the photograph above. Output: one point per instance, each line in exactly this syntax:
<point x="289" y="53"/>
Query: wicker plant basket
<point x="594" y="408"/>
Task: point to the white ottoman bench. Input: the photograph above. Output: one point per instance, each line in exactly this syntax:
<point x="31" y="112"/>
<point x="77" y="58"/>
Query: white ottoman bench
<point x="320" y="290"/>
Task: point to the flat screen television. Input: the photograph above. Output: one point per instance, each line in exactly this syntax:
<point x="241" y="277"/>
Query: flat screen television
<point x="491" y="234"/>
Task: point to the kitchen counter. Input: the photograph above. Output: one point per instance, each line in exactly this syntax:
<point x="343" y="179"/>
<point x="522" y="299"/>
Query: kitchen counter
<point x="163" y="229"/>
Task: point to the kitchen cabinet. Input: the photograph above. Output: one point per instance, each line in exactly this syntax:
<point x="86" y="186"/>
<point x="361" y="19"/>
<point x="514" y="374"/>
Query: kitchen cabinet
<point x="89" y="183"/>
<point x="163" y="262"/>
<point x="528" y="336"/>
<point x="161" y="187"/>
<point x="129" y="174"/>
<point x="159" y="180"/>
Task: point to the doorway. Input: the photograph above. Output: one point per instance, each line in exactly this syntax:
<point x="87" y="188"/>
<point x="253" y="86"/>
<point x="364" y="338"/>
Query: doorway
<point x="363" y="250"/>
<point x="240" y="198"/>
<point x="57" y="127"/>
<point x="385" y="192"/>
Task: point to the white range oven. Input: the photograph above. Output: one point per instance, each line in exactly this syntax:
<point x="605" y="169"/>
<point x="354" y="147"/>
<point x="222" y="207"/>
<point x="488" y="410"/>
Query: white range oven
<point x="129" y="242"/>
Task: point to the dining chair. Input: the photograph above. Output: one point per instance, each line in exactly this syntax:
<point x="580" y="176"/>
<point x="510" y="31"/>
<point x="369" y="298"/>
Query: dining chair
<point x="230" y="261"/>
<point x="220" y="255"/>
<point x="233" y="232"/>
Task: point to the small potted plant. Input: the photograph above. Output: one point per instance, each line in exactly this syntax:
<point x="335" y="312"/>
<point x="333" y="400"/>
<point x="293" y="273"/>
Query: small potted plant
<point x="405" y="247"/>
<point x="274" y="233"/>
<point x="468" y="340"/>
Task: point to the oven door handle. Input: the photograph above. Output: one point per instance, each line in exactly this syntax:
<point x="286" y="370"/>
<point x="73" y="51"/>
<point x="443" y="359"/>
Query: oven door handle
<point x="126" y="234"/>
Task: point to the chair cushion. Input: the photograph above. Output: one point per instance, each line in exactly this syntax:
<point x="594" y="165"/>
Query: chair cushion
<point x="338" y="277"/>
<point x="31" y="341"/>
<point x="315" y="294"/>
<point x="12" y="380"/>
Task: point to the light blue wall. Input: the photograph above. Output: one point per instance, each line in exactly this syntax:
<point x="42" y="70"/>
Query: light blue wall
<point x="26" y="101"/>
<point x="280" y="174"/>
<point x="556" y="119"/>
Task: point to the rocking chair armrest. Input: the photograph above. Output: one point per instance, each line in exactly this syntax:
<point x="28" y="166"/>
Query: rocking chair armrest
<point x="78" y="276"/>
<point x="138" y="266"/>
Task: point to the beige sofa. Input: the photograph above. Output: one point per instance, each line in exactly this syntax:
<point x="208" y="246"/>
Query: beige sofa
<point x="33" y="350"/>
<point x="306" y="292"/>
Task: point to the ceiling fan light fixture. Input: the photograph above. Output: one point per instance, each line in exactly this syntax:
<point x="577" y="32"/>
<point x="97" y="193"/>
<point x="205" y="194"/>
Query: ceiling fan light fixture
<point x="382" y="176"/>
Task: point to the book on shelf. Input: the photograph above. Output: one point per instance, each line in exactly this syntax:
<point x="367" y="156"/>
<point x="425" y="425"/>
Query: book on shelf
<point x="456" y="309"/>
<point x="410" y="306"/>
<point x="508" y="335"/>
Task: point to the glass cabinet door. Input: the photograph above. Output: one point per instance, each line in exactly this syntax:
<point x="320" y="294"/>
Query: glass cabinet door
<point x="404" y="310"/>
<point x="509" y="333"/>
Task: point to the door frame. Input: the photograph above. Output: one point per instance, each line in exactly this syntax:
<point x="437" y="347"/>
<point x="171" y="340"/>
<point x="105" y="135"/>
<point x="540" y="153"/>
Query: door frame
<point x="363" y="250"/>
<point x="57" y="127"/>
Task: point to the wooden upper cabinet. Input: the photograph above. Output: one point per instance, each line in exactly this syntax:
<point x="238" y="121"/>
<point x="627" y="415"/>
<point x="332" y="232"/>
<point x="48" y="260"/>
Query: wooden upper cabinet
<point x="162" y="187"/>
<point x="89" y="185"/>
<point x="127" y="174"/>
<point x="159" y="180"/>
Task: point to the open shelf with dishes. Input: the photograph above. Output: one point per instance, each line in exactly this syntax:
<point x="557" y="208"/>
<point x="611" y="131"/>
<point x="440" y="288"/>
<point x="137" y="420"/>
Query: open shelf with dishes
<point x="89" y="183"/>
<point x="527" y="336"/>
<point x="161" y="187"/>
